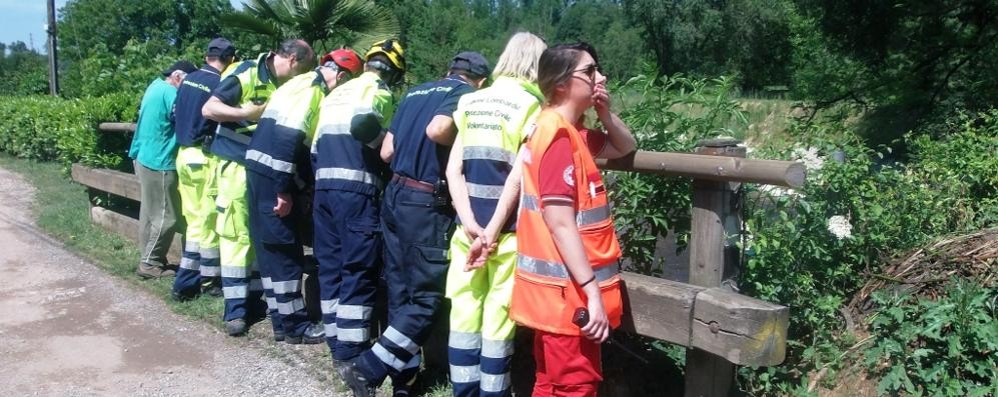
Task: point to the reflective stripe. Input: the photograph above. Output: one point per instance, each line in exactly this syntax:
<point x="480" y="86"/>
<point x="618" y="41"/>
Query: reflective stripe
<point x="464" y="340"/>
<point x="267" y="284"/>
<point x="495" y="383"/>
<point x="235" y="136"/>
<point x="401" y="340"/>
<point x="497" y="348"/>
<point x="329" y="306"/>
<point x="209" y="253"/>
<point x="354" y="312"/>
<point x="210" y="271"/>
<point x="330" y="330"/>
<point x="192" y="246"/>
<point x="286" y="287"/>
<point x="464" y="373"/>
<point x="333" y="129"/>
<point x="189" y="264"/>
<point x="267" y="160"/>
<point x="558" y="270"/>
<point x="290" y="307"/>
<point x="354" y="335"/>
<point x="529" y="202"/>
<point x="348" y="175"/>
<point x="235" y="271"/>
<point x="271" y="303"/>
<point x="237" y="292"/>
<point x="593" y="215"/>
<point x="487" y="153"/>
<point x="484" y="191"/>
<point x="255" y="285"/>
<point x="387" y="357"/>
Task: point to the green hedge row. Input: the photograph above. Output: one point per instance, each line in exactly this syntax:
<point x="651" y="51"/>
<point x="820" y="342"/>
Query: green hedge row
<point x="65" y="130"/>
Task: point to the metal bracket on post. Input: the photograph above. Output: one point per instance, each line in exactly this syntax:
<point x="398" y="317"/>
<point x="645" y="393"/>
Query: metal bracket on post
<point x="713" y="258"/>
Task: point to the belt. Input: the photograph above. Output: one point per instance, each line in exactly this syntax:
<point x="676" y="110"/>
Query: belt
<point x="412" y="183"/>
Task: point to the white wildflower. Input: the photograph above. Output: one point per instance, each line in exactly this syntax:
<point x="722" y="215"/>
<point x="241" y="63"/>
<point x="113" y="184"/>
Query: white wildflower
<point x="809" y="157"/>
<point x="839" y="226"/>
<point x="780" y="191"/>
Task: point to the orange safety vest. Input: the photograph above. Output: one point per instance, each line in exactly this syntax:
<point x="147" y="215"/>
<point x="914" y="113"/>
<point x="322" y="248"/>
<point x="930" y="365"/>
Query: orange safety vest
<point x="544" y="294"/>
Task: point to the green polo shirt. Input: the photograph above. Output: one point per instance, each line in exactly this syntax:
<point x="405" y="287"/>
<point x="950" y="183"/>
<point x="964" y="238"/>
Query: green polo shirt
<point x="155" y="142"/>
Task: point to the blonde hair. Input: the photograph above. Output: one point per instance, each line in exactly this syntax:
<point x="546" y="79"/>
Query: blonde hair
<point x="519" y="58"/>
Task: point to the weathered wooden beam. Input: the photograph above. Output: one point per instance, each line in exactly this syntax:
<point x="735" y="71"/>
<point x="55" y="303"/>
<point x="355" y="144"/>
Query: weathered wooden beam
<point x="128" y="227"/>
<point x="715" y="168"/>
<point x="116" y="127"/>
<point x="741" y="329"/>
<point x="115" y="182"/>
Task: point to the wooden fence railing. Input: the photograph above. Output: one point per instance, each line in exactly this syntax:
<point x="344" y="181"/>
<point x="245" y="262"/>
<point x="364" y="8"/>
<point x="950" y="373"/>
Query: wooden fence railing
<point x="719" y="328"/>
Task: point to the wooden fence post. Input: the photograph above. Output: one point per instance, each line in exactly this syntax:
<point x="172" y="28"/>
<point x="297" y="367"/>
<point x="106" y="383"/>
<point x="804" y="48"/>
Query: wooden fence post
<point x="713" y="255"/>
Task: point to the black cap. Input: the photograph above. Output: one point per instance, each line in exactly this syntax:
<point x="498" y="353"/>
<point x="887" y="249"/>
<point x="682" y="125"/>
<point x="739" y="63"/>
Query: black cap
<point x="183" y="66"/>
<point x="471" y="62"/>
<point x="220" y="47"/>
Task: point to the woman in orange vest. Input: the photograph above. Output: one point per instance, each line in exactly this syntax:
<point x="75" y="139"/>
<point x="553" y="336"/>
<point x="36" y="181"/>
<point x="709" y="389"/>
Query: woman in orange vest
<point x="568" y="249"/>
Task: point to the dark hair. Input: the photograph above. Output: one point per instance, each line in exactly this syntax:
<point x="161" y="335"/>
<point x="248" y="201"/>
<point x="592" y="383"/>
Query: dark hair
<point x="302" y="52"/>
<point x="558" y="63"/>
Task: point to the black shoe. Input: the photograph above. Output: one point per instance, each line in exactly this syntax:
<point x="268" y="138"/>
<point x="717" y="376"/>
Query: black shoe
<point x="279" y="335"/>
<point x="356" y="380"/>
<point x="314" y="334"/>
<point x="235" y="327"/>
<point x="178" y="296"/>
<point x="214" y="290"/>
<point x="403" y="390"/>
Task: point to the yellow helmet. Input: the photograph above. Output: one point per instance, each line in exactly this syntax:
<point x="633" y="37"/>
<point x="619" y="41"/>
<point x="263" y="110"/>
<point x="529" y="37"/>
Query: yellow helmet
<point x="391" y="49"/>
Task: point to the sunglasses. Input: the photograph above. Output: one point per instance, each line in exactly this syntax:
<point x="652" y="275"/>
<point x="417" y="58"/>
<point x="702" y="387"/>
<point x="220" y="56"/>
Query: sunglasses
<point x="589" y="70"/>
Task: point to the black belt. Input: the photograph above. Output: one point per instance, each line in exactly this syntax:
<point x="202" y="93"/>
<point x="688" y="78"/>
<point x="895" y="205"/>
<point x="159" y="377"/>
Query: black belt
<point x="412" y="183"/>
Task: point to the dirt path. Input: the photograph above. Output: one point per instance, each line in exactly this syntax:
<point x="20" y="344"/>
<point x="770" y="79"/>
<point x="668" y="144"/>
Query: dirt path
<point x="68" y="329"/>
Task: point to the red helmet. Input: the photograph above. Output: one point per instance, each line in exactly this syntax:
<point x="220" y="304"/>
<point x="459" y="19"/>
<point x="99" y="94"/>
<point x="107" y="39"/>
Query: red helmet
<point x="345" y="59"/>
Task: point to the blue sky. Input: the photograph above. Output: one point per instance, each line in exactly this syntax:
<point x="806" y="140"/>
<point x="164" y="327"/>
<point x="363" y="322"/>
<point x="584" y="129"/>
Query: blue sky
<point x="24" y="20"/>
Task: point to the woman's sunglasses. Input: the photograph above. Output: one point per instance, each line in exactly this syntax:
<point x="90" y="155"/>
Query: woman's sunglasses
<point x="589" y="70"/>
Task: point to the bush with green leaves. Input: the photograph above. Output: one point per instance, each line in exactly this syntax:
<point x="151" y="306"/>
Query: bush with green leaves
<point x="47" y="128"/>
<point x="936" y="347"/>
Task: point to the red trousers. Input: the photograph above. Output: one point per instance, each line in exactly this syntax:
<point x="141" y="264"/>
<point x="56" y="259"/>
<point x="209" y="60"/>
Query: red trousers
<point x="567" y="366"/>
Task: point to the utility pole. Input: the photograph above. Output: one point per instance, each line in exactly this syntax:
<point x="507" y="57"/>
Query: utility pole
<point x="53" y="60"/>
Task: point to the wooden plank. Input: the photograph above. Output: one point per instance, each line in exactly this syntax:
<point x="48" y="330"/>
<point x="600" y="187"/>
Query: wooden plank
<point x="115" y="182"/>
<point x="740" y="329"/>
<point x="116" y="127"/>
<point x="658" y="308"/>
<point x="128" y="227"/>
<point x="715" y="168"/>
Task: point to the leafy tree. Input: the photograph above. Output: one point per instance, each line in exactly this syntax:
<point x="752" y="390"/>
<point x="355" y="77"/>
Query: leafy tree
<point x="23" y="71"/>
<point x="324" y="23"/>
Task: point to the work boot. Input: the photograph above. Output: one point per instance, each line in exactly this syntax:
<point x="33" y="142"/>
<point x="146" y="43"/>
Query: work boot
<point x="235" y="327"/>
<point x="178" y="296"/>
<point x="148" y="271"/>
<point x="279" y="335"/>
<point x="403" y="389"/>
<point x="314" y="334"/>
<point x="355" y="380"/>
<point x="212" y="287"/>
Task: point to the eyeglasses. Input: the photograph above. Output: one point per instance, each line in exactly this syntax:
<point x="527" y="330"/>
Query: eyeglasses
<point x="589" y="70"/>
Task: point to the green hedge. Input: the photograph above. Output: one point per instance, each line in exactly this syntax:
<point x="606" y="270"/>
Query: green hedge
<point x="65" y="130"/>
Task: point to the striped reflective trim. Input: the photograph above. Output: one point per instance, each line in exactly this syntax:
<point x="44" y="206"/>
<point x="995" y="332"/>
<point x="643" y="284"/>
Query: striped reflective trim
<point x="209" y="253"/>
<point x="333" y="129"/>
<point x="464" y="340"/>
<point x="495" y="383"/>
<point x="464" y="373"/>
<point x="271" y="303"/>
<point x="353" y="335"/>
<point x="487" y="153"/>
<point x="235" y="271"/>
<point x="210" y="271"/>
<point x="189" y="264"/>
<point x="192" y="246"/>
<point x="400" y="340"/>
<point x="354" y="312"/>
<point x="492" y="348"/>
<point x="267" y="284"/>
<point x="290" y="307"/>
<point x="558" y="270"/>
<point x="286" y="287"/>
<point x="484" y="191"/>
<point x="237" y="292"/>
<point x="386" y="357"/>
<point x="330" y="330"/>
<point x="329" y="306"/>
<point x="529" y="202"/>
<point x="255" y="285"/>
<point x="593" y="215"/>
<point x="235" y="136"/>
<point x="269" y="161"/>
<point x="347" y="175"/>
